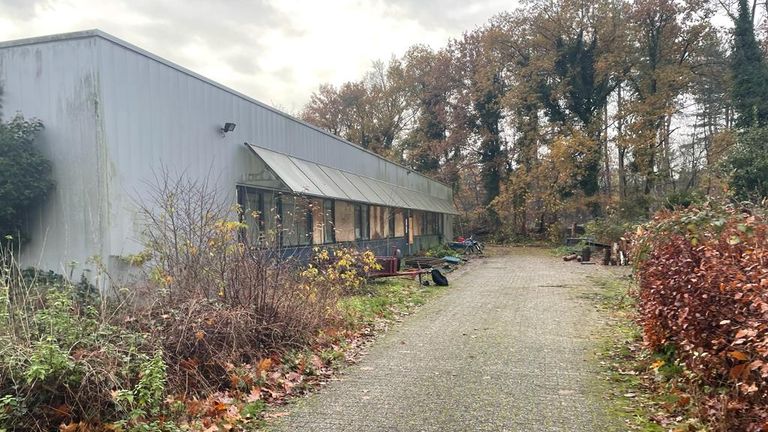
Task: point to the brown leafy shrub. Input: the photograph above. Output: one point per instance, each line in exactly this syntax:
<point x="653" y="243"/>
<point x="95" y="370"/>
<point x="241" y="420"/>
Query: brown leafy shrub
<point x="213" y="301"/>
<point x="215" y="330"/>
<point x="703" y="275"/>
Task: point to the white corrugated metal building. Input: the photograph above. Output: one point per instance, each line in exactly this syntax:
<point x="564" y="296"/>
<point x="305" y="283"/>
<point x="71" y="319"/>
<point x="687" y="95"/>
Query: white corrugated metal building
<point x="114" y="114"/>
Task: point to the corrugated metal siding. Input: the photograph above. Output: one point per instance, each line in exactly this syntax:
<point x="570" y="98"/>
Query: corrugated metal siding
<point x="156" y="113"/>
<point x="59" y="84"/>
<point x="263" y="126"/>
<point x="117" y="117"/>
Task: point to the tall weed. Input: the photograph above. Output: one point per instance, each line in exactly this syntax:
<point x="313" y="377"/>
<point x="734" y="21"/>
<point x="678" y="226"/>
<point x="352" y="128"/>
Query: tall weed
<point x="59" y="360"/>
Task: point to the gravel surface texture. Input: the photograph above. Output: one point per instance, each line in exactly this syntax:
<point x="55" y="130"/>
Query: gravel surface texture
<point x="505" y="348"/>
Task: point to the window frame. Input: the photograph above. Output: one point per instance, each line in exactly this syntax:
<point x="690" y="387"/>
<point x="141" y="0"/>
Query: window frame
<point x="391" y="222"/>
<point x="329" y="218"/>
<point x="292" y="224"/>
<point x="243" y="193"/>
<point x="362" y="221"/>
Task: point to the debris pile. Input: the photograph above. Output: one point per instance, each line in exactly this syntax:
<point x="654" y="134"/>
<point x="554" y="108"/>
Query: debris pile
<point x="585" y="249"/>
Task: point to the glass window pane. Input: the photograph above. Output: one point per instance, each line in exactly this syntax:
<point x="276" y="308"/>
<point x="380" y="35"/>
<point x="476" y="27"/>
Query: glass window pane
<point x="297" y="219"/>
<point x="303" y="221"/>
<point x="390" y="222"/>
<point x="252" y="213"/>
<point x="358" y="225"/>
<point x="270" y="218"/>
<point x="365" y="220"/>
<point x="328" y="221"/>
<point x="288" y="220"/>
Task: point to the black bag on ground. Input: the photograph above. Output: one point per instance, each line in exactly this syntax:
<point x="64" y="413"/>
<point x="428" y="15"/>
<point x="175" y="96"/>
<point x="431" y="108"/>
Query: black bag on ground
<point x="438" y="278"/>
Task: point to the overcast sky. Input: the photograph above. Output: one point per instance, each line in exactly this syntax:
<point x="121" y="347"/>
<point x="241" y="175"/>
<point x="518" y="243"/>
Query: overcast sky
<point x="275" y="51"/>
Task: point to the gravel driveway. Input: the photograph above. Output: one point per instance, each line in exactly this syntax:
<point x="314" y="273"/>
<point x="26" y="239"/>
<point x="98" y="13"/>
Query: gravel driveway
<point x="504" y="349"/>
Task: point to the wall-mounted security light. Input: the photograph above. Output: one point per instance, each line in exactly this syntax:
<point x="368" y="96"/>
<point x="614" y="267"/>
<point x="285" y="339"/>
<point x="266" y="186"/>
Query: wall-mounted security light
<point x="228" y="127"/>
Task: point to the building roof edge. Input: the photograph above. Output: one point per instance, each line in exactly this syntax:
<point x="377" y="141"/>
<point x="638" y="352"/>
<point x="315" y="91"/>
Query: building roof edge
<point x="127" y="45"/>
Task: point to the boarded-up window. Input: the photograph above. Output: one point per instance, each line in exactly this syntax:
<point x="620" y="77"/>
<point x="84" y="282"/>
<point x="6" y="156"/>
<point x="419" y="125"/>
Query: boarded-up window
<point x="316" y="207"/>
<point x="383" y="224"/>
<point x="322" y="216"/>
<point x="417" y="218"/>
<point x="344" y="214"/>
<point x="379" y="224"/>
<point x="399" y="222"/>
<point x="409" y="226"/>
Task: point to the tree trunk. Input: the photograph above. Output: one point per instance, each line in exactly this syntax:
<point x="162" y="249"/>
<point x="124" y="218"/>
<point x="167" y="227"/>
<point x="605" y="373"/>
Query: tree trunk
<point x="622" y="150"/>
<point x="606" y="155"/>
<point x="622" y="173"/>
<point x="668" y="170"/>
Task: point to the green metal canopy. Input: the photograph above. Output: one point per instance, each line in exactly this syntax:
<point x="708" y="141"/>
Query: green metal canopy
<point x="310" y="178"/>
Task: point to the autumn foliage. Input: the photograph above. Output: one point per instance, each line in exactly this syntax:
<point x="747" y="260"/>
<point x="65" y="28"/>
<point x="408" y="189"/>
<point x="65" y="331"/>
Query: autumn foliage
<point x="703" y="276"/>
<point x="214" y="331"/>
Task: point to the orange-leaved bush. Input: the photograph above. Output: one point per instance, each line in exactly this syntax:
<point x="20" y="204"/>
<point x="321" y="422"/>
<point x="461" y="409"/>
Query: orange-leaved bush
<point x="703" y="293"/>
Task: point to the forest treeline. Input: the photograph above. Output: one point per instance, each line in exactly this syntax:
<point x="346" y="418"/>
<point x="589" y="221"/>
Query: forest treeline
<point x="561" y="111"/>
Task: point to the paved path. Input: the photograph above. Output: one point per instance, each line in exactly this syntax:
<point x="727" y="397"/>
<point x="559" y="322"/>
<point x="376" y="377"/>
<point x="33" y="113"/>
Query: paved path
<point x="505" y="349"/>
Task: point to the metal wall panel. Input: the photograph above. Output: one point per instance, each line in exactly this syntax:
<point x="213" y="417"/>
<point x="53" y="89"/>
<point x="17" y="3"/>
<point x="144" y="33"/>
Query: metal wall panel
<point x="258" y="124"/>
<point x="118" y="118"/>
<point x="58" y="83"/>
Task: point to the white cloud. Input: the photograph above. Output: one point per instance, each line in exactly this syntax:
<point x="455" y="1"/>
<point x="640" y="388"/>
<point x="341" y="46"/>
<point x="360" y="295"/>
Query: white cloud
<point x="277" y="51"/>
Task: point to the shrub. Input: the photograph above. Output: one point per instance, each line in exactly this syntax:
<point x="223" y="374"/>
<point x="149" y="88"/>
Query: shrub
<point x="146" y="397"/>
<point x="214" y="301"/>
<point x="25" y="175"/>
<point x="60" y="360"/>
<point x="609" y="229"/>
<point x="747" y="165"/>
<point x="703" y="294"/>
<point x="177" y="349"/>
<point x="342" y="269"/>
<point x="683" y="199"/>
